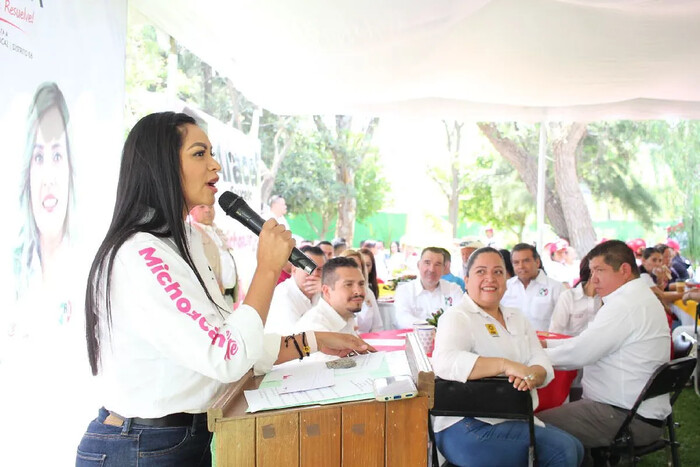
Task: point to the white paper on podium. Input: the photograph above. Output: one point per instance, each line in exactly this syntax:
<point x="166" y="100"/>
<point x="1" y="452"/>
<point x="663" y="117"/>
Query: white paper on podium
<point x="364" y="363"/>
<point x="306" y="378"/>
<point x="271" y="398"/>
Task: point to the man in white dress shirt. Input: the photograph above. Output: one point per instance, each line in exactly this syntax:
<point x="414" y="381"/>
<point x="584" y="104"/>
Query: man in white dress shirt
<point x="531" y="291"/>
<point x="418" y="299"/>
<point x="624" y="344"/>
<point x="295" y="296"/>
<point x="343" y="292"/>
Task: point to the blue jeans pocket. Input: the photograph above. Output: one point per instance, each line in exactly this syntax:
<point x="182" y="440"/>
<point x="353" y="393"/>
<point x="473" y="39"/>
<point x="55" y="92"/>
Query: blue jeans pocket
<point x="162" y="441"/>
<point x="97" y="449"/>
<point x="89" y="460"/>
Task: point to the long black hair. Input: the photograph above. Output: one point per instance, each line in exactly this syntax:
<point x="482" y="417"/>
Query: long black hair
<point x="149" y="199"/>
<point x="371" y="275"/>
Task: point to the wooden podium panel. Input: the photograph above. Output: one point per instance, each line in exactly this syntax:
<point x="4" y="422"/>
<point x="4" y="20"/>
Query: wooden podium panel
<point x="406" y="422"/>
<point x="274" y="435"/>
<point x="363" y="433"/>
<point x="320" y="437"/>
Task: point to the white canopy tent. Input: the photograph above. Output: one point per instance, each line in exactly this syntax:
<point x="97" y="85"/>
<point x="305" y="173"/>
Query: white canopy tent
<point x="533" y="60"/>
<point x="485" y="60"/>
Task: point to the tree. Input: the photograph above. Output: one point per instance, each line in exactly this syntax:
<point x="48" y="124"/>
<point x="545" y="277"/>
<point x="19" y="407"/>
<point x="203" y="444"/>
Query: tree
<point x="566" y="140"/>
<point x="307" y="181"/>
<point x="598" y="155"/>
<point x="496" y="196"/>
<point x="277" y="135"/>
<point x="348" y="150"/>
<point x="677" y="145"/>
<point x="454" y="181"/>
<point x="607" y="165"/>
<point x="523" y="159"/>
<point x="371" y="187"/>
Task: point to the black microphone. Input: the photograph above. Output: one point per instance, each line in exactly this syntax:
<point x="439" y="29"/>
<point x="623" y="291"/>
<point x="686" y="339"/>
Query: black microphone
<point x="236" y="207"/>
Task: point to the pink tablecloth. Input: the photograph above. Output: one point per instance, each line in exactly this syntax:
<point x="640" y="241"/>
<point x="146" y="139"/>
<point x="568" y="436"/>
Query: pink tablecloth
<point x="553" y="395"/>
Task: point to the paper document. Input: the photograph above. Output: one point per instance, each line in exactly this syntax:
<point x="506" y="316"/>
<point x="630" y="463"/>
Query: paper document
<point x="312" y="377"/>
<point x="271" y="398"/>
<point x="364" y="363"/>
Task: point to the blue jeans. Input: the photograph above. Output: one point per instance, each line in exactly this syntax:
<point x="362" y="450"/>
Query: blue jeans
<point x="471" y="442"/>
<point x="132" y="444"/>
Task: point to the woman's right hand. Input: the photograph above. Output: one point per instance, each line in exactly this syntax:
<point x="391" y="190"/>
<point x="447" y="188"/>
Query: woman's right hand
<point x="335" y="343"/>
<point x="517" y="373"/>
<point x="274" y="246"/>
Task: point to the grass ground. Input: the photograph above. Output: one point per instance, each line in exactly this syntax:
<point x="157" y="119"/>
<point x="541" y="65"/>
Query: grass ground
<point x="686" y="411"/>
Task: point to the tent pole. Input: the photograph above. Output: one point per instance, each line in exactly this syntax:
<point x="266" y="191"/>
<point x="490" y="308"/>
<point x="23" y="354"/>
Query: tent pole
<point x="541" y="183"/>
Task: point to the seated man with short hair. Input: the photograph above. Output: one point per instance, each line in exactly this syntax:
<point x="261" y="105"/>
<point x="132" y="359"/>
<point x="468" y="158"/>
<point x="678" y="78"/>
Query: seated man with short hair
<point x="531" y="290"/>
<point x="343" y="292"/>
<point x="622" y="347"/>
<point x="418" y="299"/>
<point x="327" y="248"/>
<point x="295" y="296"/>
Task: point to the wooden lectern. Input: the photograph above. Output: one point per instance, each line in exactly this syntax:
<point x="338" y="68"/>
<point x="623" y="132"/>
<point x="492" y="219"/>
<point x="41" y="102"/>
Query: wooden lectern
<point x="363" y="433"/>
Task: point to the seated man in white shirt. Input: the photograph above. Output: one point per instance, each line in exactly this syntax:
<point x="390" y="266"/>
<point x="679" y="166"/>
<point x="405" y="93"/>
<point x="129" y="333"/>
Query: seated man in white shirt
<point x="295" y="296"/>
<point x="343" y="292"/>
<point x="624" y="344"/>
<point x="531" y="291"/>
<point x="327" y="248"/>
<point x="418" y="299"/>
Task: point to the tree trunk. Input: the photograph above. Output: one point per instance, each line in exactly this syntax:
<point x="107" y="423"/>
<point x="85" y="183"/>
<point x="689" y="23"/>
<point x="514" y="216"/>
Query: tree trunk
<point x="345" y="175"/>
<point x="578" y="218"/>
<point x="282" y="143"/>
<point x="347" y="156"/>
<point x="454" y="141"/>
<point x="526" y="165"/>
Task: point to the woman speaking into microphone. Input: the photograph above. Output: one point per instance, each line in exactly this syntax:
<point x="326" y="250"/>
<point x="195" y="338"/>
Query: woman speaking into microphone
<point x="159" y="333"/>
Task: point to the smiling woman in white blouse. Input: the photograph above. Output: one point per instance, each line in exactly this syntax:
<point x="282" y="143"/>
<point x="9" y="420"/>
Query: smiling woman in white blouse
<point x="476" y="339"/>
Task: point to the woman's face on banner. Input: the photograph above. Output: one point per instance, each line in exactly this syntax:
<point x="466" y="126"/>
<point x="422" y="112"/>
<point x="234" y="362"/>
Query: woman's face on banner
<point x="49" y="175"/>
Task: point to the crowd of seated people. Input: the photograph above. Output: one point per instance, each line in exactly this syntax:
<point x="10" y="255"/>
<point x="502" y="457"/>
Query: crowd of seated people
<point x="492" y="302"/>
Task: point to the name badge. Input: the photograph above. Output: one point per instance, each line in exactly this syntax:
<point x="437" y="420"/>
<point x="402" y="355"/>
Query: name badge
<point x="492" y="330"/>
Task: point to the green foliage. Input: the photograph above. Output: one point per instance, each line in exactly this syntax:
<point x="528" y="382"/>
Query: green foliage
<point x="677" y="145"/>
<point x="435" y="317"/>
<point x="606" y="163"/>
<point x="145" y="61"/>
<point x="371" y="187"/>
<point x="496" y="196"/>
<point x="307" y="181"/>
<point x="271" y="125"/>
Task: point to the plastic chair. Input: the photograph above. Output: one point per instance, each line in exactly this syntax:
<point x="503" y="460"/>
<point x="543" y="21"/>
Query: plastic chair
<point x="488" y="397"/>
<point x="669" y="378"/>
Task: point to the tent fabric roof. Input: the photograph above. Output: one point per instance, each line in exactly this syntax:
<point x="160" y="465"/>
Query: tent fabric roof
<point x="470" y="59"/>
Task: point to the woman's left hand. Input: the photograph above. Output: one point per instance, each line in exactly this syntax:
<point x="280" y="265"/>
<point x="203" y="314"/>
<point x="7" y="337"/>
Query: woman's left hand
<point x="335" y="343"/>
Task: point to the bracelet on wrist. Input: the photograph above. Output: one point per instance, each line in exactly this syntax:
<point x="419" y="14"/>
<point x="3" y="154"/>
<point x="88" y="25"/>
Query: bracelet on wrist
<point x="296" y="345"/>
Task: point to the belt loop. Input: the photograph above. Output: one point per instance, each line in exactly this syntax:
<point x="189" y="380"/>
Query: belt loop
<point x="126" y="427"/>
<point x="194" y="424"/>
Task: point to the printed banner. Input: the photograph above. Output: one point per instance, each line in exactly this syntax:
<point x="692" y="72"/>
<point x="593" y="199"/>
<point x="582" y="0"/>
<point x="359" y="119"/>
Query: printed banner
<point x="61" y="125"/>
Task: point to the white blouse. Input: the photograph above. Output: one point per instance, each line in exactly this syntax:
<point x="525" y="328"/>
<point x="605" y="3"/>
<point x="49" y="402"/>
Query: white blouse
<point x="466" y="332"/>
